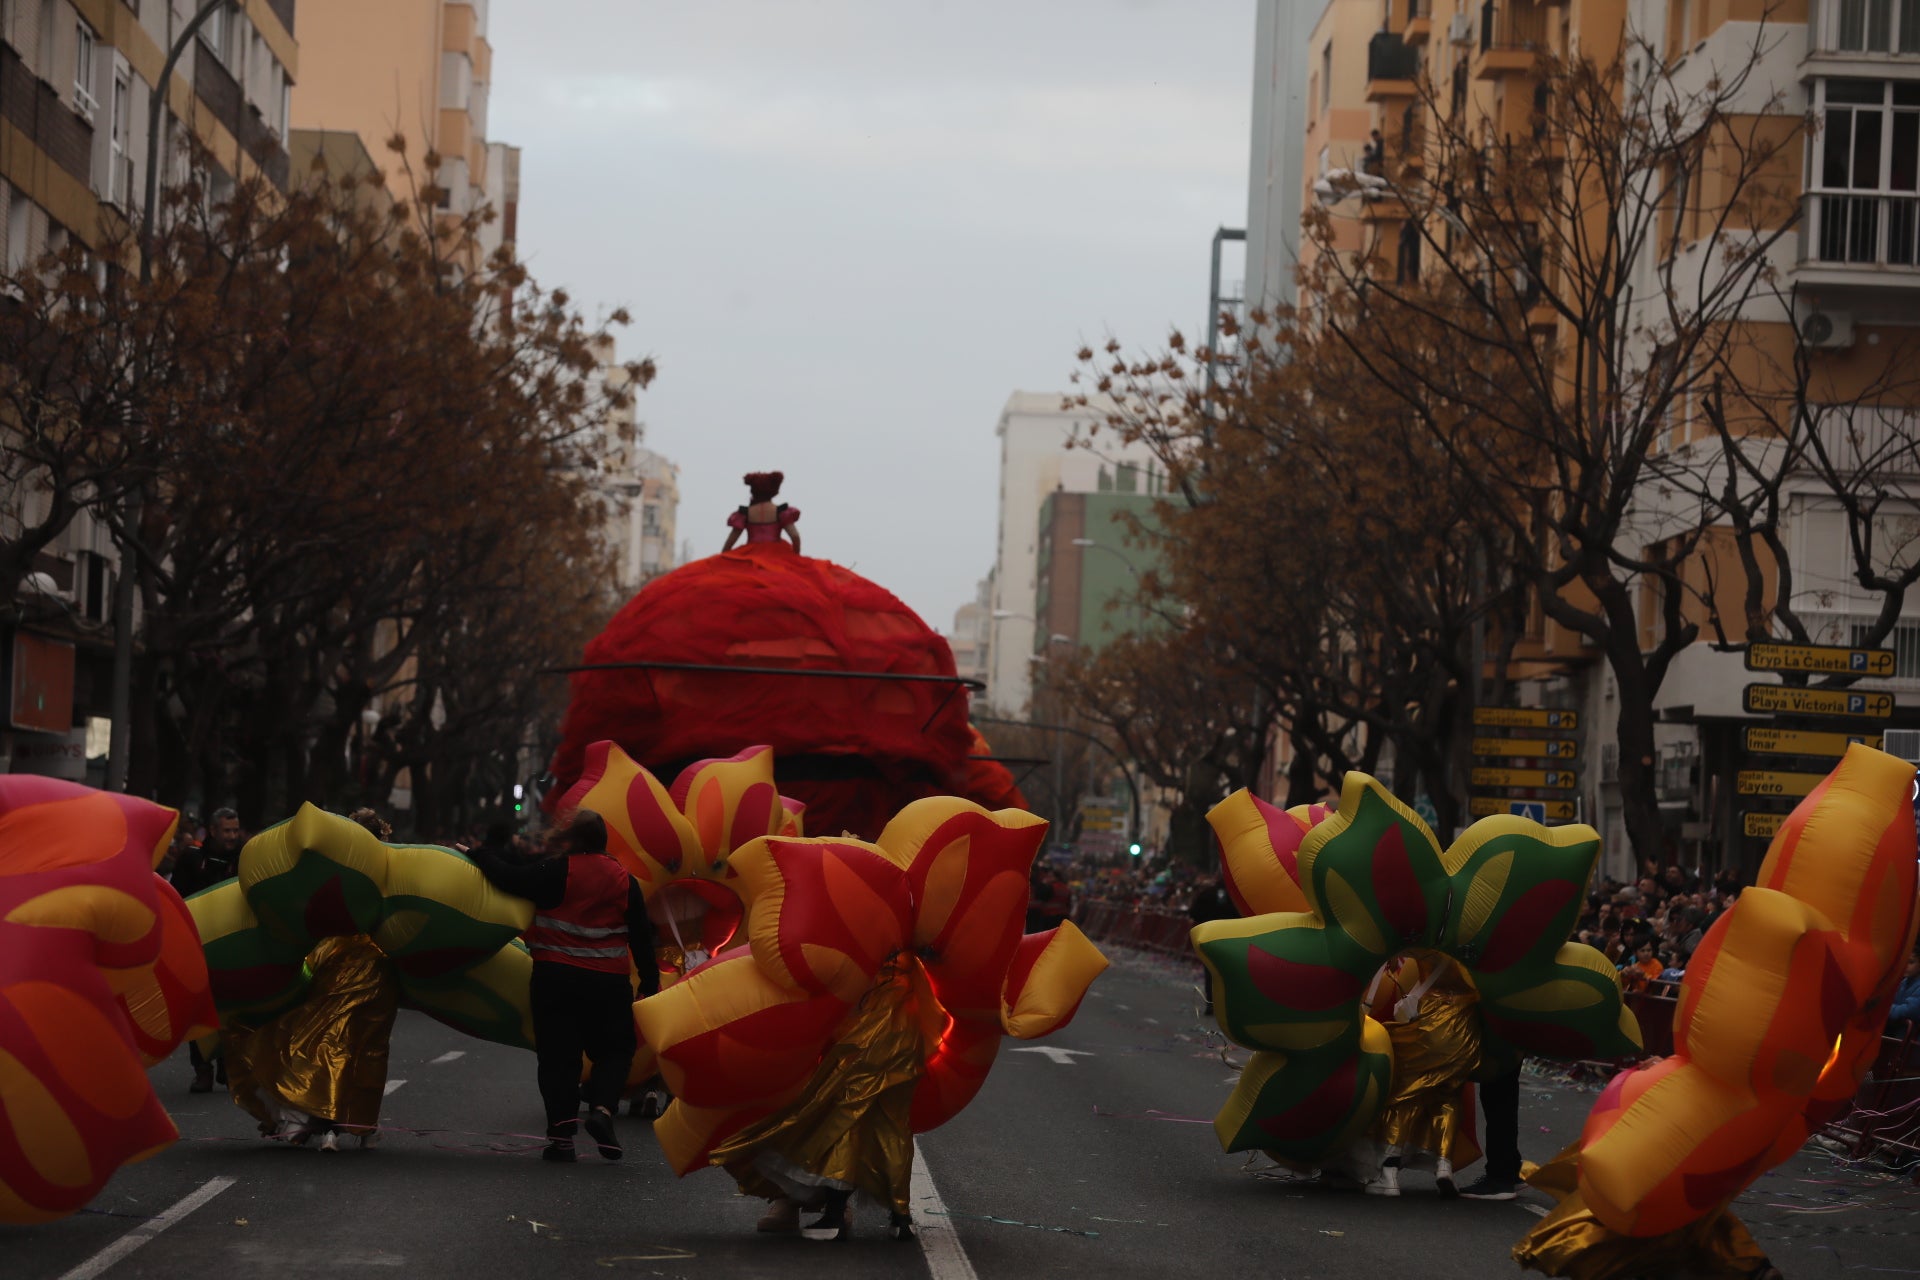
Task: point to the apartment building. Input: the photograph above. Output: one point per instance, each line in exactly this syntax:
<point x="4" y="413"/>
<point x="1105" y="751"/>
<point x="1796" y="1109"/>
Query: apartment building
<point x="76" y="88"/>
<point x="1823" y="338"/>
<point x="418" y="71"/>
<point x="1039" y="457"/>
<point x="1279" y="148"/>
<point x="639" y="489"/>
<point x="972" y="634"/>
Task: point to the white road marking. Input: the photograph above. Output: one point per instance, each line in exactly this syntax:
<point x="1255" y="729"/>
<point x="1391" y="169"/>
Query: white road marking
<point x="1537" y="1210"/>
<point x="447" y="1057"/>
<point x="127" y="1243"/>
<point x="939" y="1241"/>
<point x="1054" y="1053"/>
<point x="392" y="1085"/>
<point x="1152" y="1022"/>
<point x="1124" y="1008"/>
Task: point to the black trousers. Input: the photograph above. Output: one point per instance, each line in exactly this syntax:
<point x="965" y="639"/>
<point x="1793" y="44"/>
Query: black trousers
<point x="578" y="1011"/>
<point x="1500" y="1100"/>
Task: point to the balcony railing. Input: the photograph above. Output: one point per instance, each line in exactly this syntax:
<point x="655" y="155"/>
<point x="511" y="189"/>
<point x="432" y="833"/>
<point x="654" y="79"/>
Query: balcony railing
<point x="1867" y="26"/>
<point x="1867" y="229"/>
<point x="1515" y="25"/>
<point x="1390" y="58"/>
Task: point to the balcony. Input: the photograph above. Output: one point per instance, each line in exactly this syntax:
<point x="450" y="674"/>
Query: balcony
<point x="1513" y="35"/>
<point x="1866" y="29"/>
<point x="1860" y="238"/>
<point x="1419" y="27"/>
<point x="1392" y="66"/>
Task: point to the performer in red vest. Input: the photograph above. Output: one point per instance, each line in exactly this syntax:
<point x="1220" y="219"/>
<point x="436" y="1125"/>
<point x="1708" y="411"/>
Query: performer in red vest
<point x="591" y="919"/>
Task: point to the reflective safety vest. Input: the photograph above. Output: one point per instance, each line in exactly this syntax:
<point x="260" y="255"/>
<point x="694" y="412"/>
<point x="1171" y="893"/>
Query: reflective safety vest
<point x="589" y="927"/>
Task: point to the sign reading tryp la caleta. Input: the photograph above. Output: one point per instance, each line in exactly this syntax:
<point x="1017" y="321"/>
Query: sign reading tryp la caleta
<point x="1828" y="659"/>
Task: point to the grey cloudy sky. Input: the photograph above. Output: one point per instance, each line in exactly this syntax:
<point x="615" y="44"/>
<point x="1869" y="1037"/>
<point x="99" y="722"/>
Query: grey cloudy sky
<point x="847" y="229"/>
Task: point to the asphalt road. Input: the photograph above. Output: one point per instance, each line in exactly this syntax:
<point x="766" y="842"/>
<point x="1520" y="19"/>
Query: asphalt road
<point x="1097" y="1160"/>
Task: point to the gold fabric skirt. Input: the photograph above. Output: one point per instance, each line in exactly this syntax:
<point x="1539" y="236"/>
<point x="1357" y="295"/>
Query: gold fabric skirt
<point x="1570" y="1241"/>
<point x="1434" y="1059"/>
<point x="849" y="1130"/>
<point x="328" y="1057"/>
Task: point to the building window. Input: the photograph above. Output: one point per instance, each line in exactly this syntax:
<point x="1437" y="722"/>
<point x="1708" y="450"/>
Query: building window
<point x="1326" y="76"/>
<point x="213" y="33"/>
<point x="120" y="129"/>
<point x="83" y="100"/>
<point x="1865" y="197"/>
<point x="1874" y="26"/>
<point x="1406" y="269"/>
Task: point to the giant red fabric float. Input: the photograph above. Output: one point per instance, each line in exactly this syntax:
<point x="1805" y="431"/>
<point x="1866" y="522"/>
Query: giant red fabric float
<point x="853" y="748"/>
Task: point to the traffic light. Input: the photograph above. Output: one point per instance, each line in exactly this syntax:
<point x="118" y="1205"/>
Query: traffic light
<point x="519" y="798"/>
<point x="1134" y="849"/>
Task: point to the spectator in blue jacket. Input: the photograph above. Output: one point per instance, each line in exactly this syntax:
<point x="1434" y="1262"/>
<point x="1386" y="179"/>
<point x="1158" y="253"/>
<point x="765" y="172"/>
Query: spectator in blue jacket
<point x="1906" y="1000"/>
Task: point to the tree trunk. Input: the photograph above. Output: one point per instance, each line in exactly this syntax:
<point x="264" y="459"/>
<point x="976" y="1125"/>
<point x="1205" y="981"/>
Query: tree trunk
<point x="1639" y="798"/>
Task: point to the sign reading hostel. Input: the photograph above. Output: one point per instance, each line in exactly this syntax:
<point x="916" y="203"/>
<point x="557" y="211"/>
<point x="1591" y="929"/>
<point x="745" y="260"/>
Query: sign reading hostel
<point x="1762" y="782"/>
<point x="1539" y="810"/>
<point x="1826" y="659"/>
<point x="1551" y="779"/>
<point x="1779" y="699"/>
<point x="1527" y="748"/>
<point x="1524" y="718"/>
<point x="1803" y="742"/>
<point x="1761" y="825"/>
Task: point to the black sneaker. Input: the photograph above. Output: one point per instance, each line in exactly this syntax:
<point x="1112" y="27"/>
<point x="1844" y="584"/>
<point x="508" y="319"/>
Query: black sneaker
<point x="599" y="1126"/>
<point x="1485" y="1188"/>
<point x="559" y="1148"/>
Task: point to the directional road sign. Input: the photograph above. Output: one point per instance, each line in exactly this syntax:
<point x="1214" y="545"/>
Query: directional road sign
<point x="1538" y="810"/>
<point x="1765" y="782"/>
<point x="1527" y="748"/>
<point x="1802" y="742"/>
<point x="1778" y="699"/>
<point x="1524" y="718"/>
<point x="1555" y="779"/>
<point x="1762" y="825"/>
<point x="1829" y="659"/>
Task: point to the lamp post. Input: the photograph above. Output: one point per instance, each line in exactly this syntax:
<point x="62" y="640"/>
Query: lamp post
<point x="119" y="745"/>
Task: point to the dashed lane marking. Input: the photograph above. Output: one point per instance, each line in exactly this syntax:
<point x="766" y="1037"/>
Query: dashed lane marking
<point x="939" y="1242"/>
<point x="449" y="1056"/>
<point x="140" y="1235"/>
<point x="392" y="1085"/>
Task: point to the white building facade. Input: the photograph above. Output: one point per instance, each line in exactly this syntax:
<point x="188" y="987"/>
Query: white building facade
<point x="1283" y="30"/>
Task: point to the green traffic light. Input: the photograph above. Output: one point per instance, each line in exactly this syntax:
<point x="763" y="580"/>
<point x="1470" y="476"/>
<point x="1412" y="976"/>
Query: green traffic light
<point x="1134" y="849"/>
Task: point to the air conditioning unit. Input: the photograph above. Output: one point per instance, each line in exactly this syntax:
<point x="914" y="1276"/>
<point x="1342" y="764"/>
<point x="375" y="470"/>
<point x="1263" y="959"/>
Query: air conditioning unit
<point x="1460" y="30"/>
<point x="1831" y="329"/>
<point x="1904" y="743"/>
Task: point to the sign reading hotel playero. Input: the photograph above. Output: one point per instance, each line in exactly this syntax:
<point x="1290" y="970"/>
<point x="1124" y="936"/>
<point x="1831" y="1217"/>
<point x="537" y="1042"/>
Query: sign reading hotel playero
<point x="1524" y="718"/>
<point x="1767" y="782"/>
<point x="1830" y="659"/>
<point x="1779" y="699"/>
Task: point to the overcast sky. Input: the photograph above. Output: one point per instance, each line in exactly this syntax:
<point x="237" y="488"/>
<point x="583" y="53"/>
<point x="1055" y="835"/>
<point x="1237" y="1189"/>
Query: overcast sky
<point x="847" y="229"/>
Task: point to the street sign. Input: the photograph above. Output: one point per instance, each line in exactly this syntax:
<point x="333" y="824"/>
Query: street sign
<point x="1524" y="718"/>
<point x="1828" y="659"/>
<point x="1538" y="810"/>
<point x="1779" y="699"/>
<point x="1554" y="779"/>
<point x="1762" y="782"/>
<point x="1527" y="748"/>
<point x="1802" y="742"/>
<point x="1762" y="825"/>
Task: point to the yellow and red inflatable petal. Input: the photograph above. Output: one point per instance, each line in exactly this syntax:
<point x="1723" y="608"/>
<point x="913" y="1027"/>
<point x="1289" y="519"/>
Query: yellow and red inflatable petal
<point x="1048" y="979"/>
<point x="98" y="975"/>
<point x="646" y="832"/>
<point x="1779" y="1013"/>
<point x="731" y="801"/>
<point x="823" y="915"/>
<point x="963" y="1053"/>
<point x="1259" y="849"/>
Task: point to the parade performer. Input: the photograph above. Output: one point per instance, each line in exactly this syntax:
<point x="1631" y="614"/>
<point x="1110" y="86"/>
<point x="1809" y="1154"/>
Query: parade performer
<point x="762" y="519"/>
<point x="321" y="1068"/>
<point x="1332" y="897"/>
<point x="1779" y="1019"/>
<point x="592" y="919"/>
<point x="876" y="983"/>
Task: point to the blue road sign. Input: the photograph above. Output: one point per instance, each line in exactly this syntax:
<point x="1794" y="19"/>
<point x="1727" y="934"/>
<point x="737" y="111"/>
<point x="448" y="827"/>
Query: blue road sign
<point x="1534" y="810"/>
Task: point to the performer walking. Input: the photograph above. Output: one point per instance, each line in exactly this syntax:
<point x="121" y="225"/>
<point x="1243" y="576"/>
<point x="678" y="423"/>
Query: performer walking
<point x="592" y="918"/>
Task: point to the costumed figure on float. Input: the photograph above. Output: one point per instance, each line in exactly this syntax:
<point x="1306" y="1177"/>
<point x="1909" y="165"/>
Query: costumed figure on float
<point x="323" y="935"/>
<point x="101" y="976"/>
<point x="1376" y="976"/>
<point x="1779" y="1020"/>
<point x="865" y="1003"/>
<point x="856" y="696"/>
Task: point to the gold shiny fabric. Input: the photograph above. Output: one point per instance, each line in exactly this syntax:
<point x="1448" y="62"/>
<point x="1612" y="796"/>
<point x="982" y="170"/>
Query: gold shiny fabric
<point x="1434" y="1058"/>
<point x="849" y="1129"/>
<point x="328" y="1057"/>
<point x="1571" y="1242"/>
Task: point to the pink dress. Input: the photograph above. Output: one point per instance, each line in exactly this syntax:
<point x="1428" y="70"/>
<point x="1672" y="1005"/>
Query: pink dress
<point x="764" y="530"/>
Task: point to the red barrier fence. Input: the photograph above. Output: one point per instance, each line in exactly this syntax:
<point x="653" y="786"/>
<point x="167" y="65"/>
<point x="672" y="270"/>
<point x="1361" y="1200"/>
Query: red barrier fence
<point x="1153" y="929"/>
